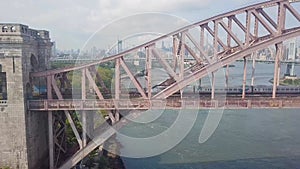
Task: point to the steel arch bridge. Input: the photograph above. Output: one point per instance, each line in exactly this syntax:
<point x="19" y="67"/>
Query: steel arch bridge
<point x="226" y="47"/>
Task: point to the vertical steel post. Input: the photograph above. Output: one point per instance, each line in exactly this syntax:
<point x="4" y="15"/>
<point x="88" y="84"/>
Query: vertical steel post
<point x="116" y="117"/>
<point x="281" y="18"/>
<point x="148" y="71"/>
<point x="279" y="47"/>
<point x="83" y="115"/>
<point x="213" y="85"/>
<point x="216" y="45"/>
<point x="84" y="129"/>
<point x="244" y="78"/>
<point x="117" y="79"/>
<point x="175" y="47"/>
<point x="182" y="54"/>
<point x="49" y="87"/>
<point x="50" y="124"/>
<point x="201" y="40"/>
<point x="201" y="46"/>
<point x="227" y="76"/>
<point x="248" y="24"/>
<point x="83" y="84"/>
<point x="253" y="69"/>
<point x="181" y="64"/>
<point x="279" y="69"/>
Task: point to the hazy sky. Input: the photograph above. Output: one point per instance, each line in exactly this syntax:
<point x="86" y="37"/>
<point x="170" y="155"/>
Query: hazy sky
<point x="72" y="22"/>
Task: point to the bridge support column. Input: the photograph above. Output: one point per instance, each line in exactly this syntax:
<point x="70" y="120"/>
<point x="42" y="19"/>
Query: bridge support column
<point x="50" y="125"/>
<point x="180" y="61"/>
<point x="84" y="129"/>
<point x="83" y="113"/>
<point x="51" y="144"/>
<point x="244" y="78"/>
<point x="213" y="85"/>
<point x="279" y="47"/>
<point x="114" y="117"/>
<point x="148" y="71"/>
<point x="117" y="79"/>
<point x="175" y="47"/>
<point x="227" y="76"/>
<point x="253" y="69"/>
<point x="201" y="46"/>
<point x="279" y="69"/>
<point x="182" y="54"/>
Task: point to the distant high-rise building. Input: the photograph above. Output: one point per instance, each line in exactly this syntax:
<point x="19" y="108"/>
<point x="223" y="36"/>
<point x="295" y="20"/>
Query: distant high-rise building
<point x="291" y="56"/>
<point x="54" y="54"/>
<point x="292" y="50"/>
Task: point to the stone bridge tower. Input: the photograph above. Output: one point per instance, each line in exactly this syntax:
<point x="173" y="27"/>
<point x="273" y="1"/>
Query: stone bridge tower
<point x="23" y="134"/>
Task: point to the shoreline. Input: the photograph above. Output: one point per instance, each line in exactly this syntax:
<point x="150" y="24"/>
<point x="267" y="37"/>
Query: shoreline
<point x="288" y="82"/>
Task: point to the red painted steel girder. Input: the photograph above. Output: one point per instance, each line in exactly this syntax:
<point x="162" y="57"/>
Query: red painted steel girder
<point x="225" y="61"/>
<point x="184" y="29"/>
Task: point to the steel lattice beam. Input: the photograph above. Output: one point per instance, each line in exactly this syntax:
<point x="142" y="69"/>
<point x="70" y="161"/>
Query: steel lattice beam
<point x="222" y="54"/>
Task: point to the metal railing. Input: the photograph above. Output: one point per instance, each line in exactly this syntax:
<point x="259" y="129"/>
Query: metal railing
<point x="142" y="104"/>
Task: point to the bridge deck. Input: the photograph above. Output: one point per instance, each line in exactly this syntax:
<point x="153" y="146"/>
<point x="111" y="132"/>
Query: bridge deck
<point x="142" y="104"/>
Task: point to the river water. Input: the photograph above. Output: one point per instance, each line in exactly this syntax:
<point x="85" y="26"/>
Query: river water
<point x="265" y="138"/>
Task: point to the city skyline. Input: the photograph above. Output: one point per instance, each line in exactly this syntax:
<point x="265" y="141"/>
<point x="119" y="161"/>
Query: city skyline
<point x="72" y="22"/>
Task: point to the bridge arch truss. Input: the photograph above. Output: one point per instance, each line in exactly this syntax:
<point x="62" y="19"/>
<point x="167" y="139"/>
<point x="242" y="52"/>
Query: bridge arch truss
<point x="257" y="30"/>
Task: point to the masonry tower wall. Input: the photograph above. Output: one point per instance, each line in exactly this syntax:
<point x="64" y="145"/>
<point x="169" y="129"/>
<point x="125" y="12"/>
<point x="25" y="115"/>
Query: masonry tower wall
<point x="23" y="134"/>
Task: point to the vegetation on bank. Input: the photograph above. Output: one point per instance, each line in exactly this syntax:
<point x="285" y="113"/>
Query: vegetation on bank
<point x="94" y="159"/>
<point x="105" y="70"/>
<point x="290" y="82"/>
<point x="57" y="65"/>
